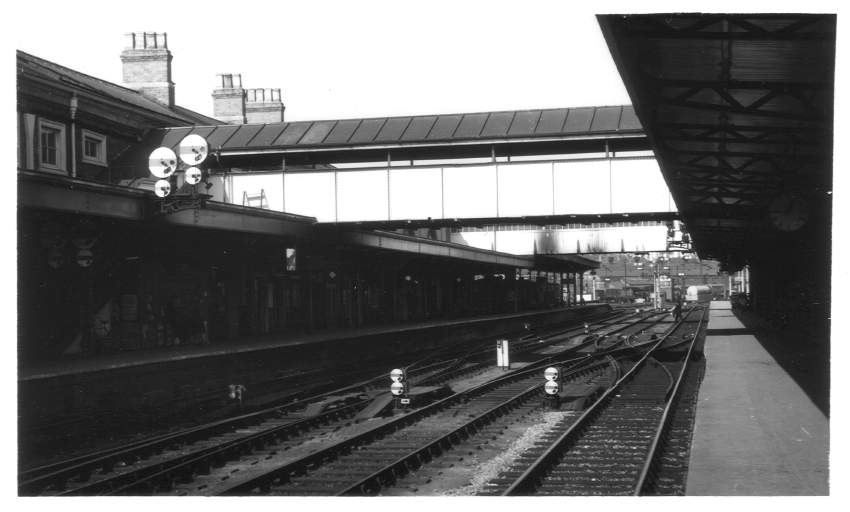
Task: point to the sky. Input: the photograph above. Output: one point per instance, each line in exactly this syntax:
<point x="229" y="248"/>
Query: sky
<point x="336" y="60"/>
<point x="356" y="59"/>
<point x="370" y="58"/>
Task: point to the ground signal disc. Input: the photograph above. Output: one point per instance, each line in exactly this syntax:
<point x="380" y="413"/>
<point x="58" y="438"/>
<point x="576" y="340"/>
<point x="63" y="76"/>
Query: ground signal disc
<point x="397" y="388"/>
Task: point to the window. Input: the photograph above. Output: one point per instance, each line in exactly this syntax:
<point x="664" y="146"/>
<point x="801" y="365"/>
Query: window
<point x="51" y="145"/>
<point x="94" y="148"/>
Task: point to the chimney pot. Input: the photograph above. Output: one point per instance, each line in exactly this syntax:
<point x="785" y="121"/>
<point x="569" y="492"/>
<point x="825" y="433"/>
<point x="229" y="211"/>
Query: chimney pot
<point x="147" y="66"/>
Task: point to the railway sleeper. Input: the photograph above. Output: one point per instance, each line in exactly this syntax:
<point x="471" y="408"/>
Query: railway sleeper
<point x="603" y="464"/>
<point x="600" y="456"/>
<point x="342" y="474"/>
<point x="588" y="482"/>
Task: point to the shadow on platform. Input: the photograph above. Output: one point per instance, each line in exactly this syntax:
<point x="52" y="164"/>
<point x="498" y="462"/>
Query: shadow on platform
<point x="804" y="356"/>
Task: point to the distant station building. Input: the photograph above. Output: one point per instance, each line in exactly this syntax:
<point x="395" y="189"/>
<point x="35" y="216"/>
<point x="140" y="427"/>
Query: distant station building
<point x="113" y="273"/>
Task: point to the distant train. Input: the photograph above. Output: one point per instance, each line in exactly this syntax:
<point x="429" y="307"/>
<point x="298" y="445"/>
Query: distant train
<point x="701" y="293"/>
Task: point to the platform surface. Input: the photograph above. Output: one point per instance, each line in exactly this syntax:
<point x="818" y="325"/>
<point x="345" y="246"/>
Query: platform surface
<point x="111" y="361"/>
<point x="756" y="432"/>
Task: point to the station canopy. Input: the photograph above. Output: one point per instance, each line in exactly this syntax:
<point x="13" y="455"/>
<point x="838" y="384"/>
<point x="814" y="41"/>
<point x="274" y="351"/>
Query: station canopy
<point x="739" y="111"/>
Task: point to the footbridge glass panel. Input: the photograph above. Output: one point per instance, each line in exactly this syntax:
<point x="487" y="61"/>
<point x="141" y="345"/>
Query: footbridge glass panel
<point x="503" y="190"/>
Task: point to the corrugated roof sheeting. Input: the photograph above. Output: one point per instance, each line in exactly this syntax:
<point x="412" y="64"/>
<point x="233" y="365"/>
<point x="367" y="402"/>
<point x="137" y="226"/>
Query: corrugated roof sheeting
<point x="317" y="132"/>
<point x="419" y="127"/>
<point x="427" y="128"/>
<point x="444" y="127"/>
<point x="342" y="132"/>
<point x="243" y="135"/>
<point x="497" y="124"/>
<point x="366" y="131"/>
<point x="267" y="134"/>
<point x="628" y="119"/>
<point x="524" y="123"/>
<point x="470" y="127"/>
<point x="551" y="121"/>
<point x="292" y="134"/>
<point x="220" y="135"/>
<point x="393" y="129"/>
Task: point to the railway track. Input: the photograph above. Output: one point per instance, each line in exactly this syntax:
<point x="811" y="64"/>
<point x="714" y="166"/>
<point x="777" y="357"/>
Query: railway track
<point x="614" y="448"/>
<point x="110" y="469"/>
<point x="339" y="468"/>
<point x="362" y="464"/>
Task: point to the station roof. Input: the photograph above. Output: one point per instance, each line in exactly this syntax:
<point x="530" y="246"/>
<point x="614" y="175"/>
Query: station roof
<point x="31" y="66"/>
<point x="739" y="111"/>
<point x="434" y="248"/>
<point x="73" y="196"/>
<point x="417" y="136"/>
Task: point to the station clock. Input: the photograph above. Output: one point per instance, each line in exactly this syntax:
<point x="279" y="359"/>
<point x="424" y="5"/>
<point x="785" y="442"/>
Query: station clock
<point x="788" y="212"/>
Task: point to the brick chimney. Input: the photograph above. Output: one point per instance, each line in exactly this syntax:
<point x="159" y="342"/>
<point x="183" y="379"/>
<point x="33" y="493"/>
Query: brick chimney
<point x="263" y="106"/>
<point x="147" y="66"/>
<point x="229" y="99"/>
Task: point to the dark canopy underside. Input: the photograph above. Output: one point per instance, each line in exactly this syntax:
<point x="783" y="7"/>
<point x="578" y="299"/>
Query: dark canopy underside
<point x="739" y="110"/>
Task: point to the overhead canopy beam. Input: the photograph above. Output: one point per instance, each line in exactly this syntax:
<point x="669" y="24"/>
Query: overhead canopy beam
<point x="68" y="195"/>
<point x="541" y="220"/>
<point x="738" y="109"/>
<point x="242" y="219"/>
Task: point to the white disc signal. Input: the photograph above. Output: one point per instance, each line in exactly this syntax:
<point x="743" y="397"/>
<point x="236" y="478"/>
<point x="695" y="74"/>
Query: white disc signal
<point x="162" y="162"/>
<point x="551" y="387"/>
<point x="193" y="176"/>
<point x="162" y="188"/>
<point x="193" y="149"/>
<point x="551" y="373"/>
<point x="397" y="388"/>
<point x="85" y="258"/>
<point x="397" y="375"/>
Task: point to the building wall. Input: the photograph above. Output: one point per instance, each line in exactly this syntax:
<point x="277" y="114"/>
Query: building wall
<point x="229" y="105"/>
<point x="264" y="113"/>
<point x="151" y="286"/>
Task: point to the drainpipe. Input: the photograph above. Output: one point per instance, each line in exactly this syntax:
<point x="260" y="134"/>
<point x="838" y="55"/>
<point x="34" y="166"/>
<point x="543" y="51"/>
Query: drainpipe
<point x="73" y="111"/>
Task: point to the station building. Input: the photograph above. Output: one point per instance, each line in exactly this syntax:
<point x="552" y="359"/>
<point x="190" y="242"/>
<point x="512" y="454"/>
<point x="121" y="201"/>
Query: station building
<point x="114" y="273"/>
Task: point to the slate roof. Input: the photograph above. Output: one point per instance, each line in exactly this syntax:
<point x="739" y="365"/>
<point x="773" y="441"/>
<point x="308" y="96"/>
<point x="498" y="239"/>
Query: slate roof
<point x="36" y="66"/>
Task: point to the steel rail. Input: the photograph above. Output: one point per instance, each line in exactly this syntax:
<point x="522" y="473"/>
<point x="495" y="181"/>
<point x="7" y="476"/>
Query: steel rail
<point x="612" y="316"/>
<point x="654" y="451"/>
<point x="526" y="482"/>
<point x="56" y="474"/>
<point x="372" y="483"/>
<point x="332" y="452"/>
<point x="552" y="339"/>
<point x="123" y="484"/>
<point x="300" y="466"/>
<point x="184" y="463"/>
<point x="81" y="467"/>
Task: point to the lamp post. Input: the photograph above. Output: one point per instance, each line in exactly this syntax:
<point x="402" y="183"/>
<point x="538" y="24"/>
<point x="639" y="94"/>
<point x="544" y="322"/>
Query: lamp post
<point x="625" y="272"/>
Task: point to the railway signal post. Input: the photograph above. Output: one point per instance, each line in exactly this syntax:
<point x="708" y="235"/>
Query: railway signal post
<point x="552" y="387"/>
<point x="400" y="388"/>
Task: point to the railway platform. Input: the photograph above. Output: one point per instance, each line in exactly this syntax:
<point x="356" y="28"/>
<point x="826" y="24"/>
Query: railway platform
<point x="246" y="345"/>
<point x="761" y="428"/>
